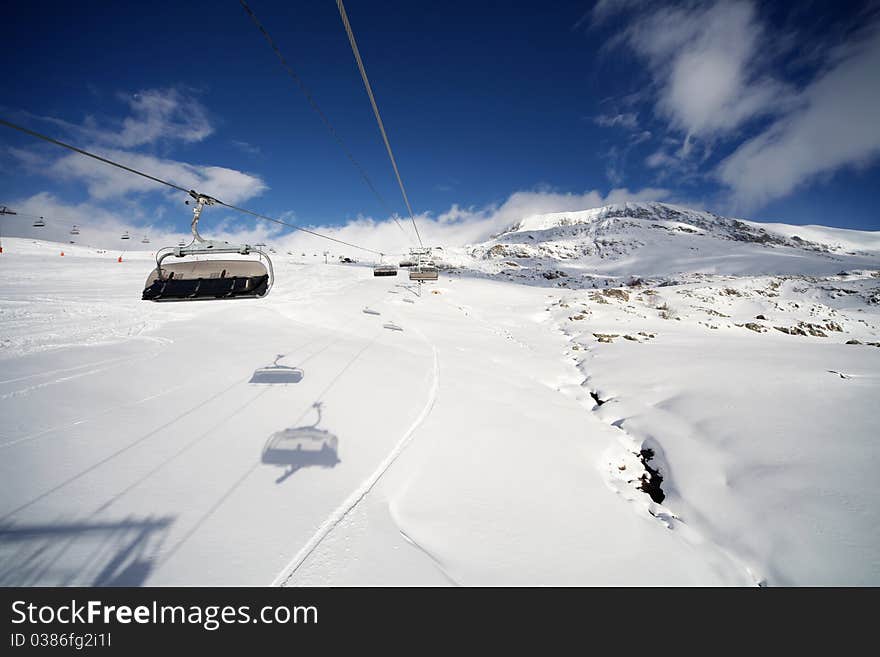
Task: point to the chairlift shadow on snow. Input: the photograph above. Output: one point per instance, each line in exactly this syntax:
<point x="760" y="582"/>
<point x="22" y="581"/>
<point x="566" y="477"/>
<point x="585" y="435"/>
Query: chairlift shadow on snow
<point x="276" y="374"/>
<point x="301" y="447"/>
<point x="121" y="553"/>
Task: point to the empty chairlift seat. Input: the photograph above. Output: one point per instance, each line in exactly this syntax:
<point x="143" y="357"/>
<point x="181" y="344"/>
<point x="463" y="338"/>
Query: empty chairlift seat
<point x="384" y="270"/>
<point x="207" y="279"/>
<point x="424" y="273"/>
<point x="192" y="280"/>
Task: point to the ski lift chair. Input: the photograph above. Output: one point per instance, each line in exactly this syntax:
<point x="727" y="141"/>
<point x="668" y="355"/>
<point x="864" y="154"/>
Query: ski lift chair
<point x="39" y="223"/>
<point x="426" y="272"/>
<point x="384" y="270"/>
<point x="193" y="280"/>
<point x="125" y="236"/>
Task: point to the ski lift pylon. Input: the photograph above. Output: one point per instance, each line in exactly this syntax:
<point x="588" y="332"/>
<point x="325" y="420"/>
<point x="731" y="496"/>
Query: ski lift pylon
<point x="208" y="279"/>
<point x="424" y="268"/>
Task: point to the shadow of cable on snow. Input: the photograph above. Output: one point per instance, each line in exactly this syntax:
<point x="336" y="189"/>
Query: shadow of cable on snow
<point x="301" y="447"/>
<point x="121" y="553"/>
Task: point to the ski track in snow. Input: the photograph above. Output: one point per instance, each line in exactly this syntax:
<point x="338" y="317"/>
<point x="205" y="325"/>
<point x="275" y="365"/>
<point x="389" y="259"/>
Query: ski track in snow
<point x="111" y="364"/>
<point x="340" y="513"/>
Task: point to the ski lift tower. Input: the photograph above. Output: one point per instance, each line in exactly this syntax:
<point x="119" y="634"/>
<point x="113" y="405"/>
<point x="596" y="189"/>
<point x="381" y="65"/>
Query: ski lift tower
<point x="4" y="210"/>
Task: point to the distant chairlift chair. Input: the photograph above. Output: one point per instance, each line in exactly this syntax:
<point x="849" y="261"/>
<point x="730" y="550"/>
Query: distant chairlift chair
<point x="382" y="269"/>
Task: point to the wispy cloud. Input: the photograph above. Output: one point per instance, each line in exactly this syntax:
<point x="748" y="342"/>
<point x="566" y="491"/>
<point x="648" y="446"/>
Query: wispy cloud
<point x="627" y="120"/>
<point x="245" y="147"/>
<point x="718" y="87"/>
<point x="835" y="124"/>
<point x="707" y="66"/>
<point x="157" y="114"/>
<point x="104" y="182"/>
<point x="605" y="9"/>
<point x="153" y="116"/>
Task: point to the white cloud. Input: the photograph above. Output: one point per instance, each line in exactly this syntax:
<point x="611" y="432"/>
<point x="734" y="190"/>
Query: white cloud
<point x="705" y="61"/>
<point x="461" y="225"/>
<point x="457" y="226"/>
<point x="101" y="227"/>
<point x="835" y="124"/>
<point x="627" y="120"/>
<point x="604" y="9"/>
<point x="158" y="114"/>
<point x="105" y="182"/>
<point x="659" y="159"/>
<point x="246" y="148"/>
<point x="155" y="115"/>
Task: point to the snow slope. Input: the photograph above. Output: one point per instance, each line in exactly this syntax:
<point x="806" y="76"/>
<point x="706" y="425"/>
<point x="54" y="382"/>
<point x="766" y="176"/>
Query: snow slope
<point x="140" y="447"/>
<point x="658" y="240"/>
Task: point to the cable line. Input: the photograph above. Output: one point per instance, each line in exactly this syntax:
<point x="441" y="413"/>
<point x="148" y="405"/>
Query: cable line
<point x="191" y="192"/>
<point x="314" y="104"/>
<point x="360" y="63"/>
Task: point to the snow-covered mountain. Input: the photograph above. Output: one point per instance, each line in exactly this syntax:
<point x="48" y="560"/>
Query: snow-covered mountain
<point x="660" y="240"/>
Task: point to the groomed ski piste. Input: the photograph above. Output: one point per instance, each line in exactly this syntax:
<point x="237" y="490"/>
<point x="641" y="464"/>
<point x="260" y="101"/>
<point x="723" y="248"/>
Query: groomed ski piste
<point x="636" y="396"/>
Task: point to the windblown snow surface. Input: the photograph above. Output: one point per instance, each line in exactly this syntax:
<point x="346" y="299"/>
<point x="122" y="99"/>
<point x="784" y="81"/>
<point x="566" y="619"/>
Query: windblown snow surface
<point x="637" y="394"/>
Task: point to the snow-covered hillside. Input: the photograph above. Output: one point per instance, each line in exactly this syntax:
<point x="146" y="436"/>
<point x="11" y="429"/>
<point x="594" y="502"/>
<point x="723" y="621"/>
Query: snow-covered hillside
<point x="690" y="401"/>
<point x="657" y="240"/>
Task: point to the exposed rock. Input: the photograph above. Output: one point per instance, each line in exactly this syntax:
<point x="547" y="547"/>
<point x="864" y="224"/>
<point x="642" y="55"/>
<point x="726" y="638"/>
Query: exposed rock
<point x="606" y="337"/>
<point x="794" y="330"/>
<point x="757" y="328"/>
<point x="651" y="480"/>
<point x="853" y="342"/>
<point x="813" y="329"/>
<point x="760" y="317"/>
<point x="616" y="293"/>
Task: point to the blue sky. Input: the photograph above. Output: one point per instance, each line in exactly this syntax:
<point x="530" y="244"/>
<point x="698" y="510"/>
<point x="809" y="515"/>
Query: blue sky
<point x="761" y="110"/>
